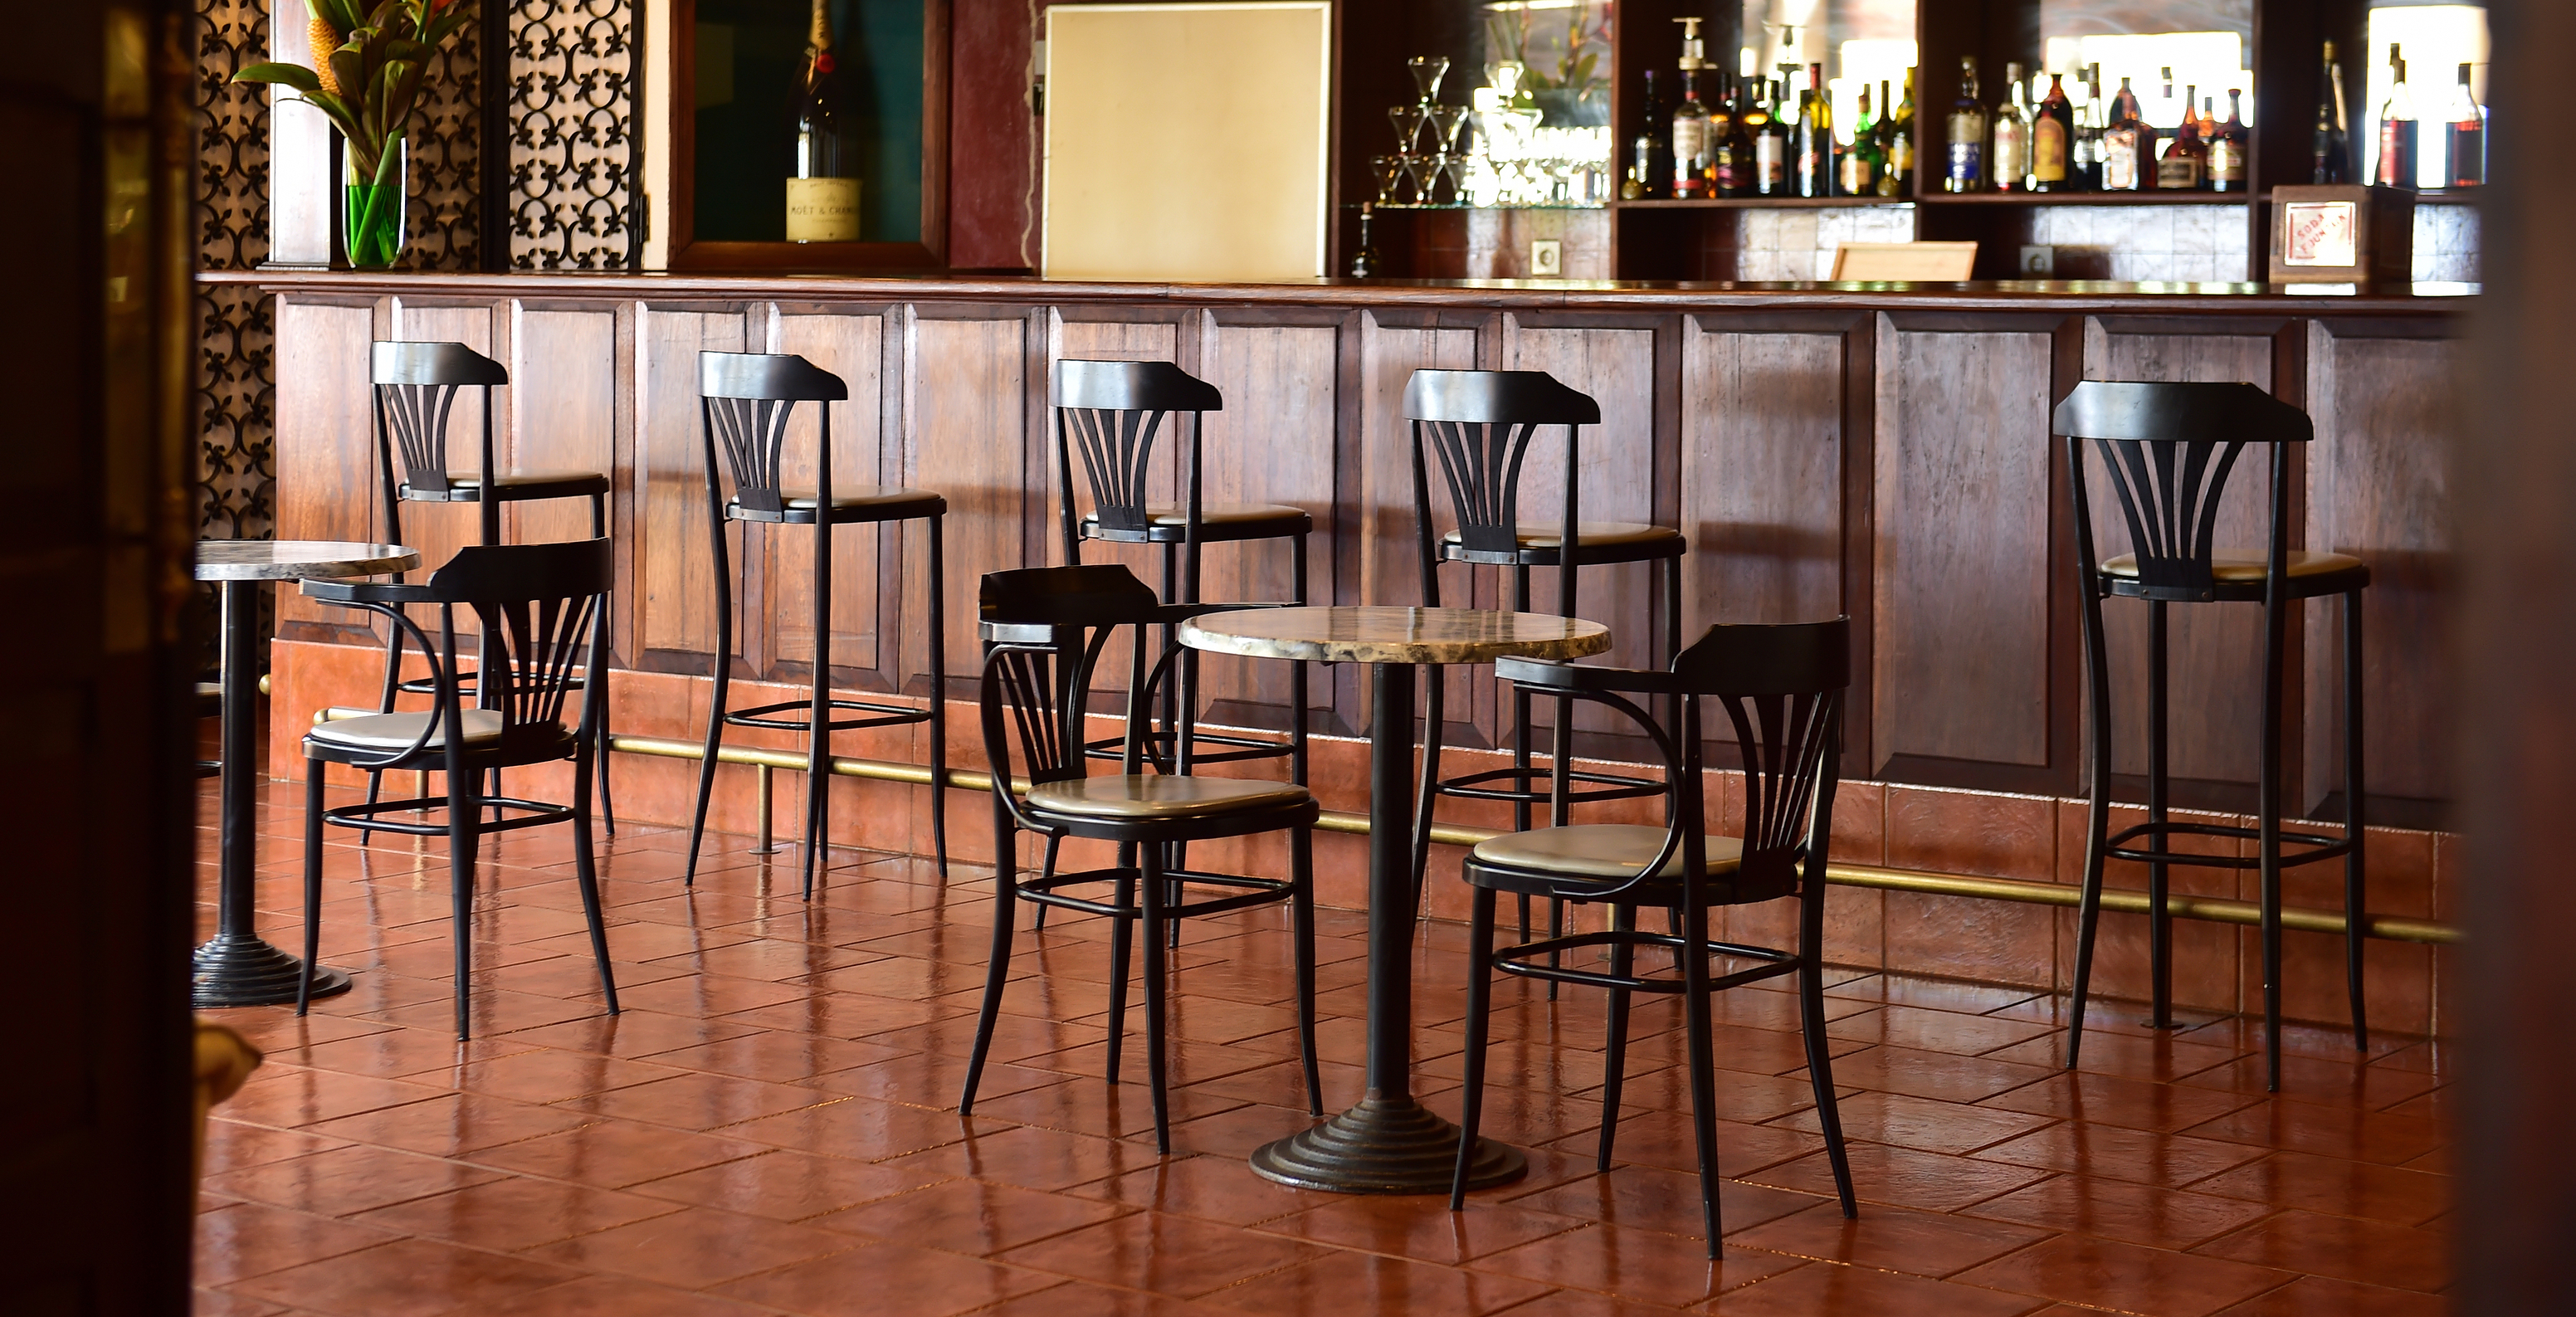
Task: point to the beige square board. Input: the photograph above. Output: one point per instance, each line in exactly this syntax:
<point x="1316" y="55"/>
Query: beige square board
<point x="1187" y="141"/>
<point x="1894" y="262"/>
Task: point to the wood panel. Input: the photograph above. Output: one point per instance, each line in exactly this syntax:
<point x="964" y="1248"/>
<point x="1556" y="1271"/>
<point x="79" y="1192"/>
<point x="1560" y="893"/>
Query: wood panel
<point x="1273" y="443"/>
<point x="2384" y="408"/>
<point x="676" y="614"/>
<point x="1095" y="335"/>
<point x="1761" y="475"/>
<point x="852" y="347"/>
<point x="966" y="414"/>
<point x="1961" y="632"/>
<point x="563" y="412"/>
<point x="326" y="463"/>
<point x="1391" y="348"/>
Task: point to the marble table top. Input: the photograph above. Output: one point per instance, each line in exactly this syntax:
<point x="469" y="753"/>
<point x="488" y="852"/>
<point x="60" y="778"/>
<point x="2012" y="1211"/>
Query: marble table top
<point x="296" y="560"/>
<point x="1375" y="634"/>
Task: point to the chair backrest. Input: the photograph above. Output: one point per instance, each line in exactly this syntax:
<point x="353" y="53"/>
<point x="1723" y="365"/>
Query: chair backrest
<point x="415" y="388"/>
<point x="1108" y="413"/>
<point x="2169" y="449"/>
<point x="744" y="400"/>
<point x="1481" y="423"/>
<point x="1044" y="629"/>
<point x="540" y="607"/>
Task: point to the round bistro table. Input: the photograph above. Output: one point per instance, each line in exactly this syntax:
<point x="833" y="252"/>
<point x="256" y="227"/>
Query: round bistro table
<point x="237" y="967"/>
<point x="1389" y="1143"/>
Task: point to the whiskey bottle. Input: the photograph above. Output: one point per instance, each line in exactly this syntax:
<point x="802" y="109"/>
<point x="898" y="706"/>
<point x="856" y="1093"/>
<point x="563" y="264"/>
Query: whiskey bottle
<point x="2052" y="140"/>
<point x="2185" y="164"/>
<point x="1966" y="170"/>
<point x="2464" y="137"/>
<point x="2011" y="157"/>
<point x="822" y="200"/>
<point x="2396" y="129"/>
<point x="2229" y="146"/>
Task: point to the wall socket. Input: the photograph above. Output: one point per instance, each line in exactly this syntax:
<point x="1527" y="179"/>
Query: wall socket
<point x="1547" y="258"/>
<point x="2038" y="262"/>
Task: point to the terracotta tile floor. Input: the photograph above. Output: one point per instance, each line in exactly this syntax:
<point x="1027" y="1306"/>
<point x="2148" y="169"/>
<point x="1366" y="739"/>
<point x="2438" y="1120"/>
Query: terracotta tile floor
<point x="771" y="1127"/>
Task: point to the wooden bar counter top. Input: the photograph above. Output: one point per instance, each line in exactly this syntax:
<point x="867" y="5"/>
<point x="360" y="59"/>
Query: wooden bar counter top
<point x="1881" y="451"/>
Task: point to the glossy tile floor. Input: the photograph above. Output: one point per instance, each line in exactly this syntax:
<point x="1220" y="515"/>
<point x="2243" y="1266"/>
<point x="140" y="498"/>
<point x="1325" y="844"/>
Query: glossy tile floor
<point x="771" y="1127"/>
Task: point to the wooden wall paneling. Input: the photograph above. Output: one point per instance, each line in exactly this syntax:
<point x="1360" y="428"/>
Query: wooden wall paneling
<point x="849" y="343"/>
<point x="1392" y="345"/>
<point x="967" y="415"/>
<point x="1274" y="443"/>
<point x="2383" y="397"/>
<point x="322" y="357"/>
<point x="563" y="392"/>
<point x="1111" y="334"/>
<point x="675" y="604"/>
<point x="2216" y="663"/>
<point x="1861" y="352"/>
<point x="1961" y="637"/>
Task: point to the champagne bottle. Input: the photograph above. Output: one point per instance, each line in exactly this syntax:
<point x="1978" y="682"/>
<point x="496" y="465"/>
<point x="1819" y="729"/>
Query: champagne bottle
<point x="2011" y="157"/>
<point x="2052" y="140"/>
<point x="1857" y="174"/>
<point x="1900" y="143"/>
<point x="2229" y="148"/>
<point x="2464" y="137"/>
<point x="2128" y="145"/>
<point x="822" y="200"/>
<point x="2396" y="129"/>
<point x="2332" y="154"/>
<point x="2185" y="164"/>
<point x="1813" y="143"/>
<point x="1967" y="135"/>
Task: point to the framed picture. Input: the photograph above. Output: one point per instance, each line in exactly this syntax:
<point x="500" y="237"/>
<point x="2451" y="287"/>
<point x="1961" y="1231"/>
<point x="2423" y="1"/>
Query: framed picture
<point x="2342" y="234"/>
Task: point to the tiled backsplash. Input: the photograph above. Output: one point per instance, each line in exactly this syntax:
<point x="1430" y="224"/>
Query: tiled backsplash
<point x="1799" y="244"/>
<point x="2174" y="244"/>
<point x="2446" y="242"/>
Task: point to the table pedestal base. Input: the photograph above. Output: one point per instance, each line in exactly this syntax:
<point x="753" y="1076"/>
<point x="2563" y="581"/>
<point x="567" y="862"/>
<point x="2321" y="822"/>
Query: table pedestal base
<point x="239" y="969"/>
<point x="1384" y="1146"/>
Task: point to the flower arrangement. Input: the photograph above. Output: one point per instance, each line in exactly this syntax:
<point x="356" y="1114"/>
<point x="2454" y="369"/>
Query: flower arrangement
<point x="366" y="73"/>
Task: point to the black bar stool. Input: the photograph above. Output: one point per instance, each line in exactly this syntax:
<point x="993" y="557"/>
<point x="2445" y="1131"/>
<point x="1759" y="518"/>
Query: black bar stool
<point x="415" y="388"/>
<point x="537" y="608"/>
<point x="1044" y="629"/>
<point x="744" y="400"/>
<point x="1481" y="423"/>
<point x="2169" y="449"/>
<point x="1781" y="688"/>
<point x="1109" y="413"/>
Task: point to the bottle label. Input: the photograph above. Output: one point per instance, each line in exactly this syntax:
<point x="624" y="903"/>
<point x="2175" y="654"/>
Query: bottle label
<point x="1858" y="179"/>
<point x="1967" y="164"/>
<point x="2012" y="154"/>
<point x="2048" y="150"/>
<point x="2226" y="163"/>
<point x="2178" y="172"/>
<point x="1900" y="154"/>
<point x="2468" y="154"/>
<point x="822" y="210"/>
<point x="2397" y="153"/>
<point x="2120" y="160"/>
<point x="1770" y="168"/>
<point x="1690" y="142"/>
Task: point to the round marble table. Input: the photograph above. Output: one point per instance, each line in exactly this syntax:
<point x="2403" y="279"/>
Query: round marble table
<point x="1389" y="1143"/>
<point x="237" y="967"/>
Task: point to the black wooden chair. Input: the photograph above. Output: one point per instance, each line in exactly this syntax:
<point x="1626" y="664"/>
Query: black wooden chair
<point x="1781" y="688"/>
<point x="1043" y="630"/>
<point x="414" y="393"/>
<point x="2168" y="450"/>
<point x="536" y="610"/>
<point x="1481" y="424"/>
<point x="744" y="401"/>
<point x="1108" y="414"/>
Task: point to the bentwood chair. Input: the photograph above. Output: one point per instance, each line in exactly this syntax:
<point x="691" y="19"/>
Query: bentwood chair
<point x="1044" y="629"/>
<point x="1108" y="414"/>
<point x="2168" y="450"/>
<point x="1481" y="424"/>
<point x="744" y="402"/>
<point x="415" y="386"/>
<point x="535" y="609"/>
<point x="1781" y="691"/>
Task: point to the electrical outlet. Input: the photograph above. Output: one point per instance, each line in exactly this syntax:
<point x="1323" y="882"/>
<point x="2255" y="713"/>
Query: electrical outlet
<point x="1547" y="258"/>
<point x="2038" y="262"/>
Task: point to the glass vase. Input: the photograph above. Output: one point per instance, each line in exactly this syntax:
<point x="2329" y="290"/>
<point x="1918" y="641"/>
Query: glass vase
<point x="373" y="210"/>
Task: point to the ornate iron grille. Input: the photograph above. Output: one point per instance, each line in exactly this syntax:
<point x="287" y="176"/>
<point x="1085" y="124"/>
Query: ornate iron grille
<point x="572" y="149"/>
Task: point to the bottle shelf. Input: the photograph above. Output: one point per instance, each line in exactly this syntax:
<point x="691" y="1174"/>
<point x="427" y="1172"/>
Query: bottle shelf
<point x="1758" y="203"/>
<point x="2088" y="198"/>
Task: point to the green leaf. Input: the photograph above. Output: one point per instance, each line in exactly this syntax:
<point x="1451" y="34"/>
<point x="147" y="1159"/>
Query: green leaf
<point x="291" y="75"/>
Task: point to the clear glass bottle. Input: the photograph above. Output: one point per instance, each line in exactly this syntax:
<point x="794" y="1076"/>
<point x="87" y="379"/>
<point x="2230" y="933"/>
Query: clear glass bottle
<point x="2464" y="137"/>
<point x="2009" y="161"/>
<point x="2396" y="129"/>
<point x="2128" y="145"/>
<point x="1966" y="170"/>
<point x="1691" y="172"/>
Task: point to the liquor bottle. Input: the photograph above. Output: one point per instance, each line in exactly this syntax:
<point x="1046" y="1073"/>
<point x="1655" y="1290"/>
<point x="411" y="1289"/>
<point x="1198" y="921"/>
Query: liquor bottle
<point x="1966" y="171"/>
<point x="2128" y="145"/>
<point x="1861" y="162"/>
<point x="1900" y="143"/>
<point x="2332" y="161"/>
<point x="1364" y="262"/>
<point x="2010" y="160"/>
<point x="822" y="202"/>
<point x="1771" y="146"/>
<point x="1650" y="161"/>
<point x="1691" y="173"/>
<point x="2052" y="140"/>
<point x="1812" y="145"/>
<point x="2396" y="129"/>
<point x="2185" y="164"/>
<point x="2465" y="137"/>
<point x="1733" y="155"/>
<point x="2229" y="146"/>
<point x="1883" y="133"/>
<point x="2165" y="104"/>
<point x="2086" y="165"/>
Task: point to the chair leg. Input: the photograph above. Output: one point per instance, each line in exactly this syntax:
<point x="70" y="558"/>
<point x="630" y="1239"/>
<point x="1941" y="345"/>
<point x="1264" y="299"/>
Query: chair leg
<point x="939" y="700"/>
<point x="2159" y="876"/>
<point x="312" y="882"/>
<point x="1154" y="985"/>
<point x="463" y="832"/>
<point x="997" y="971"/>
<point x="1433" y="697"/>
<point x="1614" y="1059"/>
<point x="1297" y="670"/>
<point x="1123" y="896"/>
<point x="585" y="869"/>
<point x="715" y="718"/>
<point x="2268" y="839"/>
<point x="2088" y="918"/>
<point x="1301" y="919"/>
<point x="607" y="805"/>
<point x="1697" y="1018"/>
<point x="1820" y="1052"/>
<point x="1471" y="1101"/>
<point x="384" y="704"/>
<point x="2355" y="888"/>
<point x="818" y="728"/>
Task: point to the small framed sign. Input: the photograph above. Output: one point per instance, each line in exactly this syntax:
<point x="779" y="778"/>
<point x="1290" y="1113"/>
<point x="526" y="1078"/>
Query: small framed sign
<point x="1900" y="262"/>
<point x="2337" y="234"/>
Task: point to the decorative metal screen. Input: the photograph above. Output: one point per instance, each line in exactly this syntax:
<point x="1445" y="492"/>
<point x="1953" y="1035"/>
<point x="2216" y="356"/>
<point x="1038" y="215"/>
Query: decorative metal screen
<point x="236" y="473"/>
<point x="572" y="140"/>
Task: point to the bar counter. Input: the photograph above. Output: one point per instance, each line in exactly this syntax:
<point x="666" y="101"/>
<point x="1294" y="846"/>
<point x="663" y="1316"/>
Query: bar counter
<point x="1880" y="451"/>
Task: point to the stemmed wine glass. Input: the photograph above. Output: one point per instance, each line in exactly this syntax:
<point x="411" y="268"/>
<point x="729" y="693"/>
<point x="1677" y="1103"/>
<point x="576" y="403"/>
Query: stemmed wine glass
<point x="1446" y="121"/>
<point x="1387" y="171"/>
<point x="1408" y="121"/>
<point x="1424" y="170"/>
<point x="1427" y="71"/>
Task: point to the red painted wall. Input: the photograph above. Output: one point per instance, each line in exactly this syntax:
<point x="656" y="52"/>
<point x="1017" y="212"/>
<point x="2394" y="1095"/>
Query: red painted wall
<point x="992" y="153"/>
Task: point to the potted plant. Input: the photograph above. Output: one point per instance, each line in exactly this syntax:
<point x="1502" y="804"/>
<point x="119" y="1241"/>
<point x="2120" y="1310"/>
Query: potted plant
<point x="367" y="69"/>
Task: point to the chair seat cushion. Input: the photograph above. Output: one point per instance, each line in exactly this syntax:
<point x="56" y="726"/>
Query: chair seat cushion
<point x="1155" y="796"/>
<point x="1215" y="514"/>
<point x="393" y="731"/>
<point x="1590" y="535"/>
<point x="2247" y="564"/>
<point x="861" y="502"/>
<point x="1614" y="851"/>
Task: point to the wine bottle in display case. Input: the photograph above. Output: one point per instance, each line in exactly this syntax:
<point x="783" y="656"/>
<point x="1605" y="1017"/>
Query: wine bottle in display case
<point x="2185" y="164"/>
<point x="1812" y="145"/>
<point x="2128" y="145"/>
<point x="2464" y="137"/>
<point x="2396" y="129"/>
<point x="1771" y="147"/>
<point x="2229" y="147"/>
<point x="1856" y="174"/>
<point x="822" y="200"/>
<point x="2010" y="160"/>
<point x="1966" y="166"/>
<point x="2052" y="140"/>
<point x="2084" y="163"/>
<point x="2332" y="162"/>
<point x="1897" y="179"/>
